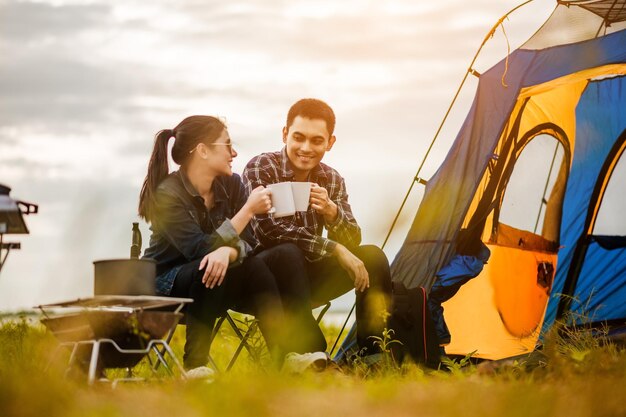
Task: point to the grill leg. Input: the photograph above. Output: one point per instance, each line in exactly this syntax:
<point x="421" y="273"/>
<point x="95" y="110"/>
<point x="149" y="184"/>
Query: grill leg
<point x="93" y="364"/>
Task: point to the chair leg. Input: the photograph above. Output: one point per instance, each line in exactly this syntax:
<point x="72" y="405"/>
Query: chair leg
<point x="213" y="364"/>
<point x="244" y="343"/>
<point x="243" y="337"/>
<point x="320" y="316"/>
<point x="217" y="327"/>
<point x="342" y="329"/>
<point x="160" y="351"/>
<point x="214" y="333"/>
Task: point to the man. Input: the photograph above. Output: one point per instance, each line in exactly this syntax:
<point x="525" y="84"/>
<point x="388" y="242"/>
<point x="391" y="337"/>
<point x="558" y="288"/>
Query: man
<point x="336" y="263"/>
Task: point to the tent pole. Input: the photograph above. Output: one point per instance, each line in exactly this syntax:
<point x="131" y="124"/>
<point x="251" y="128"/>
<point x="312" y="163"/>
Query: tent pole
<point x="470" y="70"/>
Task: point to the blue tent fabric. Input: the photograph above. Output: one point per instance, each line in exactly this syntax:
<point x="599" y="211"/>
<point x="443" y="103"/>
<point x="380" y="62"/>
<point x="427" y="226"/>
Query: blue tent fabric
<point x="449" y="281"/>
<point x="429" y="242"/>
<point x="459" y="268"/>
<point x="600" y="121"/>
<point x="602" y="294"/>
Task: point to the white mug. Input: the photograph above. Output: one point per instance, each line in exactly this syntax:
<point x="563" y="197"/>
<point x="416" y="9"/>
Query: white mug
<point x="301" y="194"/>
<point x="282" y="199"/>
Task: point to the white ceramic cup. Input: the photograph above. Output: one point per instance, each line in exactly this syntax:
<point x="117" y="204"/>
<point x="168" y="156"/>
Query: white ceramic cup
<point x="282" y="199"/>
<point x="301" y="194"/>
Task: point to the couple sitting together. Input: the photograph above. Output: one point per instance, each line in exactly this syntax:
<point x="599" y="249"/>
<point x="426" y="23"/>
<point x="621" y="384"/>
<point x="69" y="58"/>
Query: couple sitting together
<point x="215" y="240"/>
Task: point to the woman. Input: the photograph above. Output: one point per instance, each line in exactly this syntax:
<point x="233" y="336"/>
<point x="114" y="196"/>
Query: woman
<point x="202" y="243"/>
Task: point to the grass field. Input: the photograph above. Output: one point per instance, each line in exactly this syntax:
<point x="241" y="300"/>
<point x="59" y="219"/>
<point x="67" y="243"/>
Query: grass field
<point x="577" y="378"/>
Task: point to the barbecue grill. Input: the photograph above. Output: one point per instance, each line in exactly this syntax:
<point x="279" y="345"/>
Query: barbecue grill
<point x="120" y="330"/>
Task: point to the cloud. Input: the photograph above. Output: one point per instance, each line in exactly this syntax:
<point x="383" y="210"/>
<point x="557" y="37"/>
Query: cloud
<point x="29" y="22"/>
<point x="363" y="34"/>
<point x="60" y="93"/>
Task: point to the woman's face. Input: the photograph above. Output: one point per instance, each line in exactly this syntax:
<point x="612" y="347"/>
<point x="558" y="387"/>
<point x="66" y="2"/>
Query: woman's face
<point x="220" y="155"/>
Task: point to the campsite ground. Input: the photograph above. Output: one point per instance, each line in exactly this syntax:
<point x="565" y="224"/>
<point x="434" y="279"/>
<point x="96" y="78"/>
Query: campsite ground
<point x="580" y="379"/>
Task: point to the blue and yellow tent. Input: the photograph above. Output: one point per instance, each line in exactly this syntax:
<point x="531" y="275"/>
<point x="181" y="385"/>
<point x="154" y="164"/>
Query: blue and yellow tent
<point x="567" y="83"/>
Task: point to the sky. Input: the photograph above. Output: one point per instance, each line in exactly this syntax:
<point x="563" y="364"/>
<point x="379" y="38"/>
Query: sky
<point x="85" y="85"/>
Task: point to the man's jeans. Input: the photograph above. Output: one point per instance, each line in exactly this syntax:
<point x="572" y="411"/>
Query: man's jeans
<point x="373" y="306"/>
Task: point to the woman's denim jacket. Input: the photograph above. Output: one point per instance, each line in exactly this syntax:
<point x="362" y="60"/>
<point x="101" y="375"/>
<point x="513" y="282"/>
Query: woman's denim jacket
<point x="184" y="230"/>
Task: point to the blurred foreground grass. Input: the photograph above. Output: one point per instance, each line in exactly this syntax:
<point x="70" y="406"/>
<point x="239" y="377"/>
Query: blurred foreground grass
<point x="581" y="379"/>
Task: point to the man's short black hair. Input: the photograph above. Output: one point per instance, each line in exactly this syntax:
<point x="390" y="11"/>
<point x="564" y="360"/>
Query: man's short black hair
<point x="312" y="108"/>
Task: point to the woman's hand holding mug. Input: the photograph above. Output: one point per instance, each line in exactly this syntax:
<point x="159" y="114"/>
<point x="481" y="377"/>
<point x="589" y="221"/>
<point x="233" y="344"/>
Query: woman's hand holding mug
<point x="259" y="201"/>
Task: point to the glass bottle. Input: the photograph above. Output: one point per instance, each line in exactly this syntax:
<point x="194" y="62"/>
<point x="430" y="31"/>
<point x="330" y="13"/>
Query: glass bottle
<point x="135" y="247"/>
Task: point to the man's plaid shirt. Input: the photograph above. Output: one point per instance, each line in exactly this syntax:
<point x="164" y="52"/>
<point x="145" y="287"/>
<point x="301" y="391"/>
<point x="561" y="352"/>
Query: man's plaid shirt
<point x="303" y="229"/>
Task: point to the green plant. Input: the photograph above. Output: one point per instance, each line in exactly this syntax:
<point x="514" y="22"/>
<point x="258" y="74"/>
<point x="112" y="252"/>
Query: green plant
<point x="358" y="367"/>
<point x="457" y="367"/>
<point x="384" y="343"/>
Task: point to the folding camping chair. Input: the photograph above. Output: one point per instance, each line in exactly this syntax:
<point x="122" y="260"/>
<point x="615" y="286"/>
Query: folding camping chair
<point x="244" y="336"/>
<point x="249" y="332"/>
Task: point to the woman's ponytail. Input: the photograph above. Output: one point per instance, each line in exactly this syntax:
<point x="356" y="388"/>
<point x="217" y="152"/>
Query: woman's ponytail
<point x="158" y="169"/>
<point x="188" y="134"/>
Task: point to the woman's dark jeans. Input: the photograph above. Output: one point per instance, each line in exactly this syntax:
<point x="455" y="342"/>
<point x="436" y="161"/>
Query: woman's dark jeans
<point x="248" y="288"/>
<point x="254" y="287"/>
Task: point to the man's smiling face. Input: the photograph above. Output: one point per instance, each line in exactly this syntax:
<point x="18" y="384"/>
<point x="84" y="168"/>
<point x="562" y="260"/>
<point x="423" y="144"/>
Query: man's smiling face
<point x="307" y="141"/>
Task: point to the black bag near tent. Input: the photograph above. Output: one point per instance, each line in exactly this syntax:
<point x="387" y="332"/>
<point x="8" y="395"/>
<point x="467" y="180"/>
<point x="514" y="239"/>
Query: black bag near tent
<point x="413" y="327"/>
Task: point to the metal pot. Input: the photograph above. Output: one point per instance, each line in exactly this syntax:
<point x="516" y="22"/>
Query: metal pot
<point x="125" y="277"/>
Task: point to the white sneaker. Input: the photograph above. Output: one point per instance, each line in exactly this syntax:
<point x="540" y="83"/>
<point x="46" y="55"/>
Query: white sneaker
<point x="296" y="363"/>
<point x="201" y="372"/>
